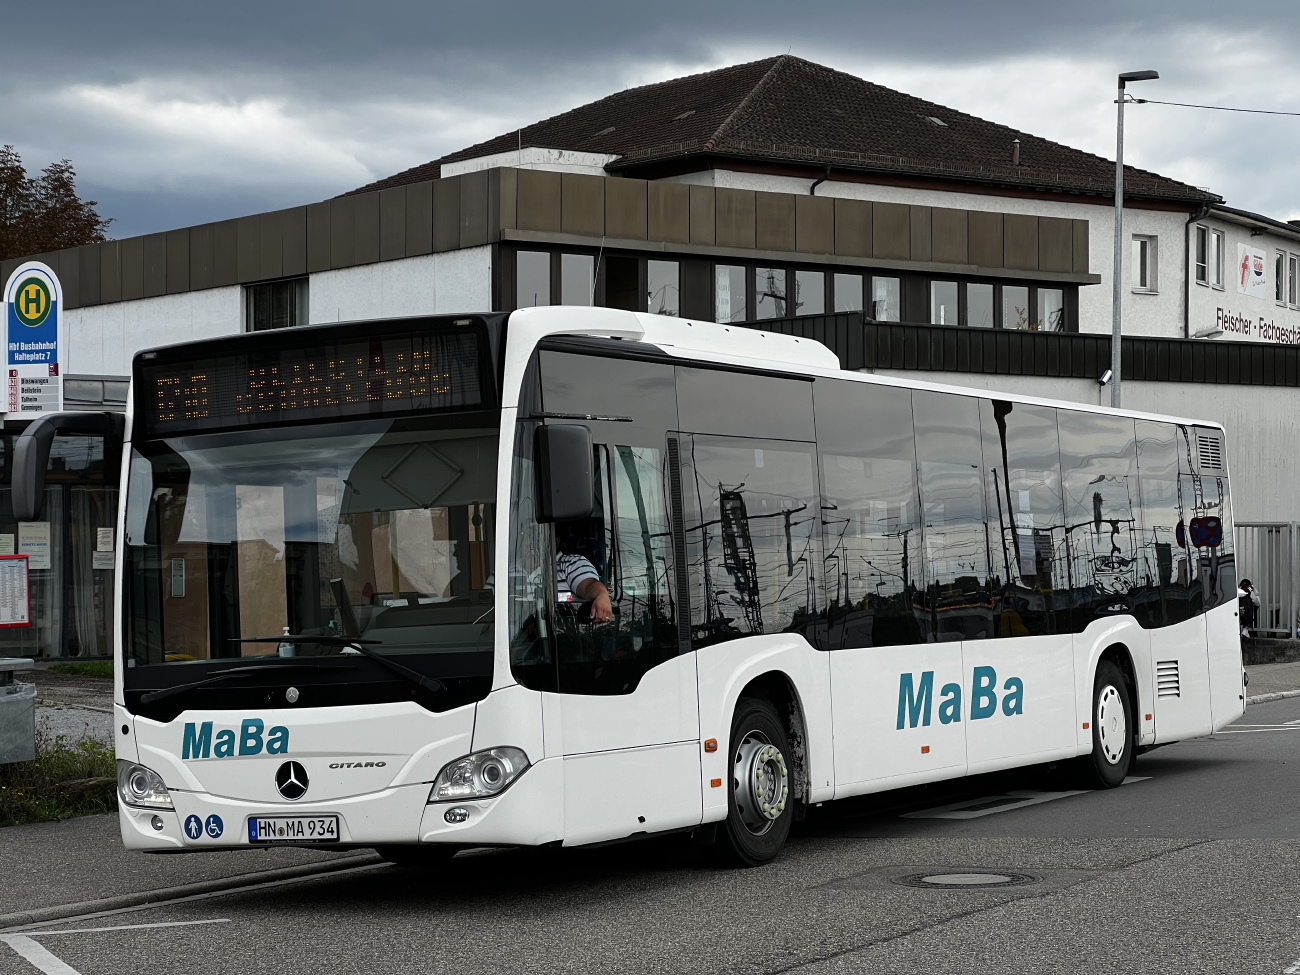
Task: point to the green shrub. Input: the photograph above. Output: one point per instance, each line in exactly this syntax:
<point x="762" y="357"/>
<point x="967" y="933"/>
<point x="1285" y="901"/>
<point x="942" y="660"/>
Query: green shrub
<point x="66" y="780"/>
<point x="86" y="668"/>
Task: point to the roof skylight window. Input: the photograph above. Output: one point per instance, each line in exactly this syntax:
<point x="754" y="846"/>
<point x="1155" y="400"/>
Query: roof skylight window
<point x="935" y="121"/>
<point x="685" y="115"/>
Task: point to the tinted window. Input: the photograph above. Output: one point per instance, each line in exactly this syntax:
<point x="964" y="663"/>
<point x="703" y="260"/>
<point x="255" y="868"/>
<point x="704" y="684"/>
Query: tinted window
<point x="1099" y="471"/>
<point x="1022" y="482"/>
<point x="809" y="292"/>
<point x="871" y="526"/>
<point x="769" y="292"/>
<point x="733" y="403"/>
<point x="848" y="292"/>
<point x="663" y="296"/>
<point x="729" y="294"/>
<point x="956" y="603"/>
<point x="1164" y="570"/>
<point x="751" y="513"/>
<point x="532" y="279"/>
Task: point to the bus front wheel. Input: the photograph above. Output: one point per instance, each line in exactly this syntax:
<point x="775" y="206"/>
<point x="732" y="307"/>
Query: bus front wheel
<point x="1112" y="729"/>
<point x="760" y="804"/>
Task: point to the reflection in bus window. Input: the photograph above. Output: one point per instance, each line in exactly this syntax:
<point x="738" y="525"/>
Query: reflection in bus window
<point x="1163" y="570"/>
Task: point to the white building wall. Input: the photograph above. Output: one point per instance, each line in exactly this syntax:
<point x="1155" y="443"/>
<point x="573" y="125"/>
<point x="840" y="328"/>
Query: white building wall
<point x="434" y="284"/>
<point x="1259" y="422"/>
<point x="1143" y="314"/>
<point x="1244" y="317"/>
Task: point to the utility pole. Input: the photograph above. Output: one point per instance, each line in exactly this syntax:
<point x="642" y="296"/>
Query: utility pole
<point x="1117" y="270"/>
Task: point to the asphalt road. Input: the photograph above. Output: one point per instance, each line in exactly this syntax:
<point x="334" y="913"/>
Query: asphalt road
<point x="1192" y="867"/>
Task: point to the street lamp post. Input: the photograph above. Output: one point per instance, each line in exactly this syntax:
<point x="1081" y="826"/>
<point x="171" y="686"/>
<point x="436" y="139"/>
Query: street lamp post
<point x="1116" y="272"/>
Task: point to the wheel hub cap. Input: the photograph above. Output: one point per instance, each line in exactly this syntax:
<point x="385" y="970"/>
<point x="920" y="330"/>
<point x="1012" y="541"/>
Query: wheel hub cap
<point x="1112" y="725"/>
<point x="760" y="782"/>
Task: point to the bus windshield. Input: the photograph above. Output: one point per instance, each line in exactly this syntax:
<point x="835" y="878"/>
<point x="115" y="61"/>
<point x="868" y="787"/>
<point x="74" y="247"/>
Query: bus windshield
<point x="379" y="530"/>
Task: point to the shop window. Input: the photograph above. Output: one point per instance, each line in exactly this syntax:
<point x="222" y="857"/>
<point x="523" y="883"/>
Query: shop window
<point x="943" y="303"/>
<point x="769" y="292"/>
<point x="577" y="279"/>
<point x="848" y="292"/>
<point x="532" y="279"/>
<point x="729" y="296"/>
<point x="979" y="305"/>
<point x="1145" y="278"/>
<point x="886" y="303"/>
<point x="1015" y="307"/>
<point x="1051" y="311"/>
<point x="663" y="289"/>
<point x="276" y="304"/>
<point x="809" y="293"/>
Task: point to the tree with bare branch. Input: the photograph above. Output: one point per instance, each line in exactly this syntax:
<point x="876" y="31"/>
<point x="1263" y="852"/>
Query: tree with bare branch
<point x="43" y="213"/>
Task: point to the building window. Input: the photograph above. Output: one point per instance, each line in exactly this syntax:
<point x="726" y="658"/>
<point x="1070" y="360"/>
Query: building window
<point x="663" y="292"/>
<point x="943" y="303"/>
<point x="1216" y="259"/>
<point x="1051" y="311"/>
<point x="1144" y="264"/>
<point x="979" y="305"/>
<point x="848" y="292"/>
<point x="729" y="294"/>
<point x="1279" y="277"/>
<point x="577" y="279"/>
<point x="810" y="293"/>
<point x="276" y="304"/>
<point x="1291" y="279"/>
<point x="769" y="292"/>
<point x="1203" y="255"/>
<point x="623" y="283"/>
<point x="886" y="305"/>
<point x="532" y="279"/>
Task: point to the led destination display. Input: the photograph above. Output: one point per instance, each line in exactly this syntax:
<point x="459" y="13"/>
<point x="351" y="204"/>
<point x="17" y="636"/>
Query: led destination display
<point x="412" y="373"/>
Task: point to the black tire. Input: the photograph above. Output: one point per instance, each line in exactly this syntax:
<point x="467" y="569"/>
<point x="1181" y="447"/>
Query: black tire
<point x="752" y="836"/>
<point x="1113" y="728"/>
<point x="418" y="857"/>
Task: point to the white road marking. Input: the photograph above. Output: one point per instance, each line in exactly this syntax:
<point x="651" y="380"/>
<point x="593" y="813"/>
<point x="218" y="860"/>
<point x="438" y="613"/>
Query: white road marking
<point x="129" y="927"/>
<point x="39" y="957"/>
<point x="1007" y="802"/>
<point x="1257" y="729"/>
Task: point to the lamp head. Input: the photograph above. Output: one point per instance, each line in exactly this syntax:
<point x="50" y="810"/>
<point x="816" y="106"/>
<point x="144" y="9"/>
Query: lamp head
<point x="1128" y="76"/>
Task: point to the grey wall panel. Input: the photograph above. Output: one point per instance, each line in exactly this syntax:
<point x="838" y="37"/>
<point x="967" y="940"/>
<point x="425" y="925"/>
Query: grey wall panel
<point x="1079" y="256"/>
<point x="625" y="208"/>
<point x="343" y="232"/>
<point x="446" y="214"/>
<point x="70" y="277"/>
<point x="392" y="223"/>
<point x="507" y="197"/>
<point x="270" y="257"/>
<point x="319" y="237"/>
<point x="132" y="268"/>
<point x="155" y="265"/>
<point x="734" y="218"/>
<point x="539" y="201"/>
<point x="1020" y="247"/>
<point x="474" y="205"/>
<point x="365" y="240"/>
<point x="921" y="230"/>
<point x="419" y="219"/>
<point x="703" y="215"/>
<point x="1055" y="244"/>
<point x="582" y="204"/>
<point x="88" y="259"/>
<point x="774" y="221"/>
<point x="248" y="248"/>
<point x="110" y="271"/>
<point x="948" y="241"/>
<point x="668" y="212"/>
<point x="178" y="261"/>
<point x="853" y="228"/>
<point x="891" y="231"/>
<point x="814" y="224"/>
<point x="201" y="257"/>
<point x="225" y="253"/>
<point x="294" y="224"/>
<point x="985" y="238"/>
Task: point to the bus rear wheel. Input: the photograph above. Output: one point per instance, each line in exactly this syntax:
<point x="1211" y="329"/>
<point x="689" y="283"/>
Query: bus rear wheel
<point x="760" y="805"/>
<point x="1112" y="729"/>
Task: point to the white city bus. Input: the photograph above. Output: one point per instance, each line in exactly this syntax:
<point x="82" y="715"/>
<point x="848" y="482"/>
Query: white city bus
<point x="341" y="618"/>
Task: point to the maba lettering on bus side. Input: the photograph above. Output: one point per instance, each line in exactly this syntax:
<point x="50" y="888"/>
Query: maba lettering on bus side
<point x="251" y="738"/>
<point x="916" y="698"/>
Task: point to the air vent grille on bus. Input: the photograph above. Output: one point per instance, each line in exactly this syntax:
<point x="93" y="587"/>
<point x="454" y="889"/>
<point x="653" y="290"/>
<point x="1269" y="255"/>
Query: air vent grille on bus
<point x="1211" y="452"/>
<point x="1167" y="679"/>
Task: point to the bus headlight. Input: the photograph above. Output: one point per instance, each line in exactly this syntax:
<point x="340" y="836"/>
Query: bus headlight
<point x="141" y="786"/>
<point x="480" y="775"/>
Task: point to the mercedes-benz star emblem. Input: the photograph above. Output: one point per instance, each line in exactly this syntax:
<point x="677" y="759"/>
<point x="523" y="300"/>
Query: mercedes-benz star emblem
<point x="291" y="780"/>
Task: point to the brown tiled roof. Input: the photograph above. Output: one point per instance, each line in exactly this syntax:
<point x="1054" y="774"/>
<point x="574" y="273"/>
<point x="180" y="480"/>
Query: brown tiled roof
<point x="788" y="110"/>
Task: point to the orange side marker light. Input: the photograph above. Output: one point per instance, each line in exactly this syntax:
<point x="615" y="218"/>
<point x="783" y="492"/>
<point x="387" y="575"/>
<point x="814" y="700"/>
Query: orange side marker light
<point x="715" y="783"/>
<point x="711" y="745"/>
<point x="1085" y="726"/>
<point x="1148" y="717"/>
<point x="925" y="749"/>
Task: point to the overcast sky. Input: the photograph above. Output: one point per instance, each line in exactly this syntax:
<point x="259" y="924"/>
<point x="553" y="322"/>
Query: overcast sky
<point x="176" y="113"/>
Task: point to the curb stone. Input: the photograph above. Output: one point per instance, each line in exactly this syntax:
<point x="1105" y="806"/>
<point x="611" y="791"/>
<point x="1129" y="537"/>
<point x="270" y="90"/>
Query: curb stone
<point x="1275" y="696"/>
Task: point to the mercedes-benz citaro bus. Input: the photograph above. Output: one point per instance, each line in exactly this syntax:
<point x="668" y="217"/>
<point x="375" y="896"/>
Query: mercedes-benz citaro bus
<point x="578" y="575"/>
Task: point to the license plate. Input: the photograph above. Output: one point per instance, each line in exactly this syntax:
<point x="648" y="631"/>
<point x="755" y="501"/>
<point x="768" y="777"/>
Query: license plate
<point x="293" y="829"/>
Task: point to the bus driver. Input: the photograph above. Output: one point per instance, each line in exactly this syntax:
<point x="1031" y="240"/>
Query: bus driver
<point x="578" y="580"/>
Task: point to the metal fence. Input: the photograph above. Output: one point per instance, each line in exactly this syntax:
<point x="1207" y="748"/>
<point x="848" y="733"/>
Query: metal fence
<point x="1266" y="555"/>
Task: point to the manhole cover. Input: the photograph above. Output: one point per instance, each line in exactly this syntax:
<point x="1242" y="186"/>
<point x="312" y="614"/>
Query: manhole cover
<point x="964" y="880"/>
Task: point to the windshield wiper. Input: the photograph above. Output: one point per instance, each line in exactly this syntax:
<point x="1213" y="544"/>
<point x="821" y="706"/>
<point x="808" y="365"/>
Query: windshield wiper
<point x="351" y="631"/>
<point x="431" y="684"/>
<point x="219" y="675"/>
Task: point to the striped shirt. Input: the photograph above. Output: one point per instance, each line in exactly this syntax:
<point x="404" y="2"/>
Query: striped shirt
<point x="572" y="571"/>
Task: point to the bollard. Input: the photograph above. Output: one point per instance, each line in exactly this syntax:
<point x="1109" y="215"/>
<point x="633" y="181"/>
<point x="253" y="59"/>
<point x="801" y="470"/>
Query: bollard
<point x="17" y="713"/>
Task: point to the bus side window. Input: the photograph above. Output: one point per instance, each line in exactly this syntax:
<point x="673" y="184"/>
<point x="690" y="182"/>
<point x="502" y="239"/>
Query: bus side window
<point x="1164" y="570"/>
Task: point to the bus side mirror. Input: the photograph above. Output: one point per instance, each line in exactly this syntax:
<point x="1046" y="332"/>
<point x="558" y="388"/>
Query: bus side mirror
<point x="32" y="454"/>
<point x="564" y="490"/>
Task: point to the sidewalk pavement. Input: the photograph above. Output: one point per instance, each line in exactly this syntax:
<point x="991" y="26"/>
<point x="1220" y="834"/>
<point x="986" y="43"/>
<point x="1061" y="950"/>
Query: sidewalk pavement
<point x="1267" y="679"/>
